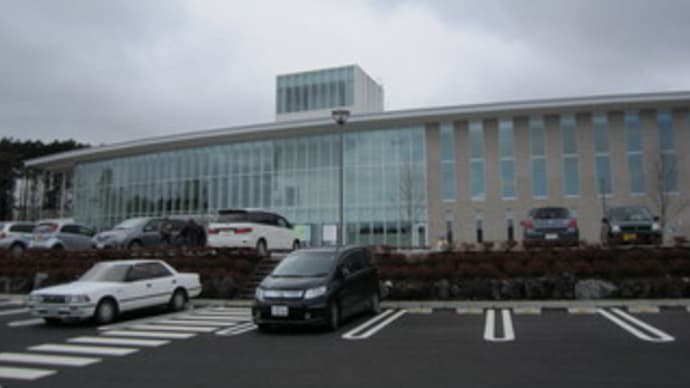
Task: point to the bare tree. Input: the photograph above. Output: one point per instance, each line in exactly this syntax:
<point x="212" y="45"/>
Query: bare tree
<point x="664" y="197"/>
<point x="412" y="198"/>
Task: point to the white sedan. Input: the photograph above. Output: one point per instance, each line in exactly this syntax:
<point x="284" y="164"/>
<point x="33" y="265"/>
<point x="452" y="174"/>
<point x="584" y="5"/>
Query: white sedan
<point x="113" y="287"/>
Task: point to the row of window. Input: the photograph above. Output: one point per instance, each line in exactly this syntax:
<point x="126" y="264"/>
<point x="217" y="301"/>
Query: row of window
<point x="315" y="90"/>
<point x="665" y="167"/>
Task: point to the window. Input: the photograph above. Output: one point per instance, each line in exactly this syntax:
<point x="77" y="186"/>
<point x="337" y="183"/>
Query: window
<point x="21" y="228"/>
<point x="71" y="229"/>
<point x="538" y="156"/>
<point x="601" y="153"/>
<point x="667" y="168"/>
<point x="506" y="145"/>
<point x="571" y="159"/>
<point x="476" y="134"/>
<point x="633" y="137"/>
<point x="447" y="162"/>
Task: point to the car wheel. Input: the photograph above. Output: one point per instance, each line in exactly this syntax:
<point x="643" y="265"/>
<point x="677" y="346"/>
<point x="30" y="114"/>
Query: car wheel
<point x="333" y="316"/>
<point x="52" y="321"/>
<point x="135" y="245"/>
<point x="295" y="245"/>
<point x="375" y="303"/>
<point x="17" y="249"/>
<point x="106" y="311"/>
<point x="261" y="248"/>
<point x="58" y="247"/>
<point x="178" y="300"/>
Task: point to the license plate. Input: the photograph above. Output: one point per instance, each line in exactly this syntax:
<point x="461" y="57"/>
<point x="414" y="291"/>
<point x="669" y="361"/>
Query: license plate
<point x="279" y="311"/>
<point x="551" y="236"/>
<point x="629" y="237"/>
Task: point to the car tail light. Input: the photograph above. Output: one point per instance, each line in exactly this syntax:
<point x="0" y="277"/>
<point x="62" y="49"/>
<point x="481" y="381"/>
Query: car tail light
<point x="529" y="224"/>
<point x="243" y="230"/>
<point x="213" y="231"/>
<point x="572" y="224"/>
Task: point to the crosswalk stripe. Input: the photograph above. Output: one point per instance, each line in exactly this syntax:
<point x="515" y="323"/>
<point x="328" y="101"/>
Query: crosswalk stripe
<point x="230" y="309"/>
<point x="24" y="373"/>
<point x="239" y="329"/>
<point x="29" y="358"/>
<point x="10" y="303"/>
<point x="200" y="329"/>
<point x="223" y="314"/>
<point x="27" y="322"/>
<point x="195" y="322"/>
<point x="211" y="318"/>
<point x="14" y="312"/>
<point x="79" y="349"/>
<point x="118" y="341"/>
<point x="148" y="334"/>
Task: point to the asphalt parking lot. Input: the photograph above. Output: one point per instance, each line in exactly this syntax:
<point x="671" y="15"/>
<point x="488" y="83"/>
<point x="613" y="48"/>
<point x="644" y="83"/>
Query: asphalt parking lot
<point x="218" y="346"/>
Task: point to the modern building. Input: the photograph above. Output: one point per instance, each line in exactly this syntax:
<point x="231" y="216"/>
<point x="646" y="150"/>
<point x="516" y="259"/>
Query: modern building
<point x="410" y="176"/>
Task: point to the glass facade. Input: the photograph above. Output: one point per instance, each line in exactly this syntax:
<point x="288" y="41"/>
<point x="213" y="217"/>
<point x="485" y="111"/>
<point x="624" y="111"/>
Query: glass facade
<point x="447" y="162"/>
<point x="602" y="163"/>
<point x="385" y="183"/>
<point x="323" y="89"/>
<point x="633" y="139"/>
<point x="506" y="145"/>
<point x="571" y="158"/>
<point x="668" y="170"/>
<point x="538" y="156"/>
<point x="476" y="143"/>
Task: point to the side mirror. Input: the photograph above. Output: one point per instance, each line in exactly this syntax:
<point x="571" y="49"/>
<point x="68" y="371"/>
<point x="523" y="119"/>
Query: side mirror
<point x="656" y="218"/>
<point x="604" y="220"/>
<point x="343" y="272"/>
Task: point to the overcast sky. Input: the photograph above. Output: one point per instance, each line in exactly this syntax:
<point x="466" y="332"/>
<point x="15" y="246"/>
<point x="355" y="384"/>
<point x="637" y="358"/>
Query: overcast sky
<point x="109" y="71"/>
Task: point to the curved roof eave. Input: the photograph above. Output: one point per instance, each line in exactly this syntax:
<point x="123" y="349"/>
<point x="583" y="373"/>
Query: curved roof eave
<point x="66" y="160"/>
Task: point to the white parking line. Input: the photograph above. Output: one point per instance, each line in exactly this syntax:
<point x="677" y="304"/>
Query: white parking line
<point x="386" y="318"/>
<point x="118" y="341"/>
<point x="237" y="330"/>
<point x="27" y="322"/>
<point x="148" y="334"/>
<point x="626" y="321"/>
<point x="14" y="312"/>
<point x="490" y="326"/>
<point x="79" y="349"/>
<point x="29" y="358"/>
<point x="195" y="322"/>
<point x="207" y="318"/>
<point x="197" y="329"/>
<point x="24" y="373"/>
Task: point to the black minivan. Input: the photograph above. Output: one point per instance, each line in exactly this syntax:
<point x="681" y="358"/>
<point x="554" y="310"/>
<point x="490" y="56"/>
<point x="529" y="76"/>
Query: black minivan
<point x="319" y="286"/>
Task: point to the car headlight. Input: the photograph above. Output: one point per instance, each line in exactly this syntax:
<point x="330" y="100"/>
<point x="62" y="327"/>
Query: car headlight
<point x="615" y="228"/>
<point x="656" y="226"/>
<point x="315" y="292"/>
<point x="259" y="294"/>
<point x="78" y="299"/>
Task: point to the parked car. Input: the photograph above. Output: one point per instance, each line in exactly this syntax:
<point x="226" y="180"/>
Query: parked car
<point x="142" y="232"/>
<point x="318" y="286"/>
<point x="258" y="229"/>
<point x="15" y="236"/>
<point x="110" y="288"/>
<point x="552" y="224"/>
<point x="630" y="225"/>
<point x="61" y="234"/>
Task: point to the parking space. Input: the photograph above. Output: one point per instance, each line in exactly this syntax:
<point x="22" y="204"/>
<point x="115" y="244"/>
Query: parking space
<point x="505" y="347"/>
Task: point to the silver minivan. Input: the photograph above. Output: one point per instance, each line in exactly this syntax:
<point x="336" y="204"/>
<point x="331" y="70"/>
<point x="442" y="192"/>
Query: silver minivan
<point x="61" y="235"/>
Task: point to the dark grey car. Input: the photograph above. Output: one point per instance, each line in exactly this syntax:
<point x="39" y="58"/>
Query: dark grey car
<point x="630" y="225"/>
<point x="142" y="232"/>
<point x="319" y="286"/>
<point x="555" y="225"/>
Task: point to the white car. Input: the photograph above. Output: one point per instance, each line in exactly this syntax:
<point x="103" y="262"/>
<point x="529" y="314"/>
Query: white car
<point x="258" y="229"/>
<point x="112" y="287"/>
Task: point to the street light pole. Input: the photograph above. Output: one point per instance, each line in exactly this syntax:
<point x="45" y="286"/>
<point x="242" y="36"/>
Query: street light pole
<point x="340" y="117"/>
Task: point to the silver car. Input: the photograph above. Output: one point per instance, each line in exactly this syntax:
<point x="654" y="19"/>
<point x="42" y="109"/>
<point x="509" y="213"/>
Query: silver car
<point x="15" y="236"/>
<point x="142" y="232"/>
<point x="61" y="235"/>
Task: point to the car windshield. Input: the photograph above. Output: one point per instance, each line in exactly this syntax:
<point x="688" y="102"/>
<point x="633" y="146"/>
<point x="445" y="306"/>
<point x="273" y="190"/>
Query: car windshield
<point x="551" y="213"/>
<point x="631" y="213"/>
<point x="106" y="273"/>
<point x="233" y="216"/>
<point x="46" y="228"/>
<point x="130" y="223"/>
<point x="305" y="264"/>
